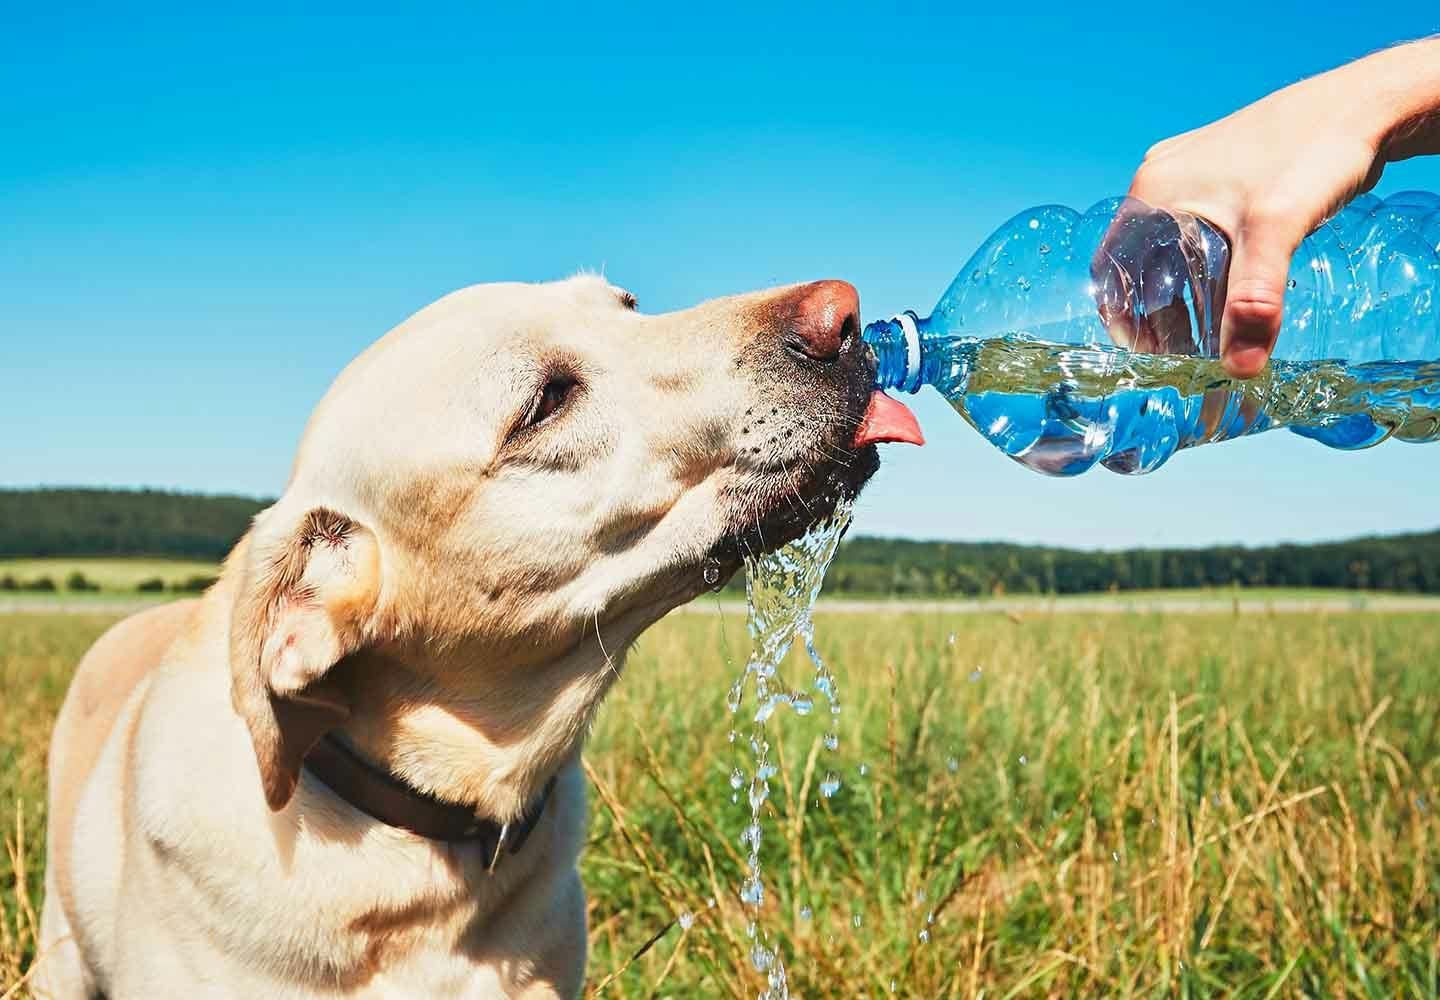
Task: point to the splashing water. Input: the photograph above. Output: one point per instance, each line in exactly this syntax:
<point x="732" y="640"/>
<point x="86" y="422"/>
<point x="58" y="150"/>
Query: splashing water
<point x="780" y="591"/>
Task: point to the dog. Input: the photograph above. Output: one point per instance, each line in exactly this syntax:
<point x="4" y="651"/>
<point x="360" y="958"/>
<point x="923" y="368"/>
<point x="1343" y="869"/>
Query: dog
<point x="351" y="769"/>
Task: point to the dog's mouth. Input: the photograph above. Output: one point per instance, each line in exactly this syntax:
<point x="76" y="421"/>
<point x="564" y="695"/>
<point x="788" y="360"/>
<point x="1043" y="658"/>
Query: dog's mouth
<point x="772" y="507"/>
<point x="776" y="510"/>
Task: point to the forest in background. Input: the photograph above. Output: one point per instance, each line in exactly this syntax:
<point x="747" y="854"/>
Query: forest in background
<point x="54" y="523"/>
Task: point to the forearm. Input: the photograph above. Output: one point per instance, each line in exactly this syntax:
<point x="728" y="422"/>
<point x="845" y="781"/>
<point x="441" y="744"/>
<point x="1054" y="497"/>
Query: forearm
<point x="1396" y="93"/>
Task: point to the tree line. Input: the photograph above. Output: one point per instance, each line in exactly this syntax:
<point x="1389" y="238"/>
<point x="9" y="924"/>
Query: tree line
<point x="91" y="522"/>
<point x="1402" y="563"/>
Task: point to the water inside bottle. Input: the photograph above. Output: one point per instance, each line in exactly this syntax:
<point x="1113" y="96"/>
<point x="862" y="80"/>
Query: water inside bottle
<point x="1061" y="409"/>
<point x="780" y="589"/>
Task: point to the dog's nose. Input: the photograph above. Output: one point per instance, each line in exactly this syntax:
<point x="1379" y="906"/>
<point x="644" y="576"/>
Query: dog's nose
<point x="823" y="316"/>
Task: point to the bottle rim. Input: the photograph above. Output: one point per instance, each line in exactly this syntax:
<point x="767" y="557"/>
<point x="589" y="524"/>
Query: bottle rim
<point x="911" y="381"/>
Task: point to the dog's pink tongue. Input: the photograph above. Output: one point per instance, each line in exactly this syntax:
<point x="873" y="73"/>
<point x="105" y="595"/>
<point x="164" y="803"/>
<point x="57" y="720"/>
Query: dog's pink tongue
<point x="887" y="419"/>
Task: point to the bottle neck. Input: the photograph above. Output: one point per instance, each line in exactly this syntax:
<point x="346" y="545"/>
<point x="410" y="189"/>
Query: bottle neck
<point x="896" y="343"/>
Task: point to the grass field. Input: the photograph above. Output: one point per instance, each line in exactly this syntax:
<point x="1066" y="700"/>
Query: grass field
<point x="1127" y="806"/>
<point x="113" y="575"/>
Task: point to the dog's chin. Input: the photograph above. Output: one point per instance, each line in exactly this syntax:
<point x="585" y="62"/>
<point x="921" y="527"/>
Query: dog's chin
<point x="771" y="511"/>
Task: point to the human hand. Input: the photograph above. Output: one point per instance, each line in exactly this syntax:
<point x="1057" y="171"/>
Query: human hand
<point x="1270" y="173"/>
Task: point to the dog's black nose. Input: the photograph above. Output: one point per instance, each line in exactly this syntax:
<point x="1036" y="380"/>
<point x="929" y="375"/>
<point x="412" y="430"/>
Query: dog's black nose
<point x="823" y="315"/>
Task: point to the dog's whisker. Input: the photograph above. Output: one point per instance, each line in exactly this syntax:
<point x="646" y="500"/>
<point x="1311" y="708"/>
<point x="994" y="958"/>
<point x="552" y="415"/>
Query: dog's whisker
<point x="795" y="493"/>
<point x="600" y="639"/>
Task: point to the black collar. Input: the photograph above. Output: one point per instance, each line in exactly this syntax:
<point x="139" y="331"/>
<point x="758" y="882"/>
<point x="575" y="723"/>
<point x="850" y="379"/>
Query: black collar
<point x="390" y="800"/>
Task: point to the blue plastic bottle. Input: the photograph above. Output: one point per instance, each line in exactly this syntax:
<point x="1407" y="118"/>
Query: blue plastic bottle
<point x="1070" y="340"/>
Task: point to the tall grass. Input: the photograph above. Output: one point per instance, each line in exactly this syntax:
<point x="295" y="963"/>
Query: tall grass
<point x="1052" y="806"/>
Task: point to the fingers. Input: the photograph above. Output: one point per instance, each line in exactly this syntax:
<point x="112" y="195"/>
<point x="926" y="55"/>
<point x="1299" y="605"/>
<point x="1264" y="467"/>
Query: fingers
<point x="1254" y="298"/>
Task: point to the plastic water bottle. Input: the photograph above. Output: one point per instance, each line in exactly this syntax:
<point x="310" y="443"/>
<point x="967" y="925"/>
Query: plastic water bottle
<point x="1073" y="339"/>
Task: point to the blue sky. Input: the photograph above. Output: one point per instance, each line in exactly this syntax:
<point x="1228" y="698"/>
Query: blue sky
<point x="204" y="216"/>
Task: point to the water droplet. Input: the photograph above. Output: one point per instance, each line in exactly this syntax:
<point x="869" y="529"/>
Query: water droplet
<point x="976" y="675"/>
<point x="864" y="770"/>
<point x="892" y="986"/>
<point x="752" y="891"/>
<point x="919" y="896"/>
<point x="712" y="572"/>
<point x="1044" y="248"/>
<point x="975" y="275"/>
<point x="730" y="737"/>
<point x="832" y="741"/>
<point x="750" y="836"/>
<point x="1034" y="223"/>
<point x="759" y="792"/>
<point x="1023" y="283"/>
<point x="1115" y="856"/>
<point x="761" y="957"/>
<point x="951" y="640"/>
<point x="732" y="697"/>
<point x="830" y="785"/>
<point x="930" y="917"/>
<point x="805" y="912"/>
<point x="1024" y="760"/>
<point x="1291" y="283"/>
<point x="686" y="918"/>
<point x="924" y="936"/>
<point x="802" y="704"/>
<point x="763" y="713"/>
<point x="735" y="797"/>
<point x="952" y="764"/>
<point x="857" y="920"/>
<point x="737" y="778"/>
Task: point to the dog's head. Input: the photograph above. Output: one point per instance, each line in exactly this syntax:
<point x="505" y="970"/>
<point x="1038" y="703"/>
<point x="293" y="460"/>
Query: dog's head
<point x="517" y="480"/>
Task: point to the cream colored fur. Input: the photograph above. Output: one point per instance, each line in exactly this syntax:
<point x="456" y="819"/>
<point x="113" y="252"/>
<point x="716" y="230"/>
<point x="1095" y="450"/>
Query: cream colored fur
<point x="454" y="589"/>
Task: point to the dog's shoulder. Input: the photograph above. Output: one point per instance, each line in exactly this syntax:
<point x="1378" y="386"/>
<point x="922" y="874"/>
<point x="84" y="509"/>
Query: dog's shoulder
<point x="119" y="660"/>
<point x="107" y="676"/>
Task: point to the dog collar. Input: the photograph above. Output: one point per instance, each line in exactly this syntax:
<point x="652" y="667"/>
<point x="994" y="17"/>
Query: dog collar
<point x="384" y="797"/>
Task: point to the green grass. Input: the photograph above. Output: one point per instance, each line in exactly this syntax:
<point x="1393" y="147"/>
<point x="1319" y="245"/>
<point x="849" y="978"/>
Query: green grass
<point x="1207" y="806"/>
<point x="112" y="575"/>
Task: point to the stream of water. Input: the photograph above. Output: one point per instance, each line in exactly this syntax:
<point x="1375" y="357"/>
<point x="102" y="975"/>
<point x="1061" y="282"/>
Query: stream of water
<point x="780" y="590"/>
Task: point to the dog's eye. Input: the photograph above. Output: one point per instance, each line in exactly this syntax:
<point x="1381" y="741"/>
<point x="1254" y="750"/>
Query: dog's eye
<point x="557" y="390"/>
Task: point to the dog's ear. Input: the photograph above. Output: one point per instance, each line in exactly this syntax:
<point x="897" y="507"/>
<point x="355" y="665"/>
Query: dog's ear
<point x="306" y="599"/>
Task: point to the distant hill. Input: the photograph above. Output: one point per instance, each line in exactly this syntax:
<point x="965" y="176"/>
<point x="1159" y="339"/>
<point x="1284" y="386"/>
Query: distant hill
<point x="91" y="522"/>
<point x="88" y="522"/>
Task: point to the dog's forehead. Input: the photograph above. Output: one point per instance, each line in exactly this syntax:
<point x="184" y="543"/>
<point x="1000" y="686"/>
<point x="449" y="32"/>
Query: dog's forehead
<point x="516" y="316"/>
<point x="465" y="360"/>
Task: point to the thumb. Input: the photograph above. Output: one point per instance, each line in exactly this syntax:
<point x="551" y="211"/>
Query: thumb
<point x="1254" y="300"/>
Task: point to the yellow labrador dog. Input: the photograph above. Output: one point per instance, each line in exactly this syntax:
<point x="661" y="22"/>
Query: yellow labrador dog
<point x="351" y="768"/>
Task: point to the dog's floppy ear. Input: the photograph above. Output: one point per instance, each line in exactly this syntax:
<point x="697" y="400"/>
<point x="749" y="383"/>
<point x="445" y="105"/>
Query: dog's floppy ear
<point x="306" y="599"/>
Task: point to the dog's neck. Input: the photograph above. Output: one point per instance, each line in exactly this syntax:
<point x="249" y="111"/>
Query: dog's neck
<point x="483" y="737"/>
